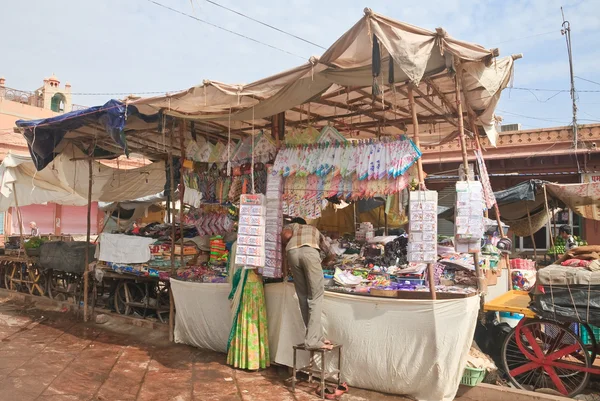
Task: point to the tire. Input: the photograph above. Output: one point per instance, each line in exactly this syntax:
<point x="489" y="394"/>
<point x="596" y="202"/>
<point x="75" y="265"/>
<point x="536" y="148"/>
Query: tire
<point x="549" y="337"/>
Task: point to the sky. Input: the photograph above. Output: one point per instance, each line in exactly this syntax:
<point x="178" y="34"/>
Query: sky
<point x="135" y="46"/>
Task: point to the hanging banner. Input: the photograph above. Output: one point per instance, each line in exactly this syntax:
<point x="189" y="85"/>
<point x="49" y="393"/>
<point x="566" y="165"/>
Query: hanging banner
<point x="488" y="193"/>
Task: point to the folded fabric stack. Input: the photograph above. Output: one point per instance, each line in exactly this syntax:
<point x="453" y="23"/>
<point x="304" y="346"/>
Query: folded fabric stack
<point x="218" y="251"/>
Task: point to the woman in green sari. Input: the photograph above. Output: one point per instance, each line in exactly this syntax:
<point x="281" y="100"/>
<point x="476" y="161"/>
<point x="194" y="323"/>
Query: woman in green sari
<point x="248" y="346"/>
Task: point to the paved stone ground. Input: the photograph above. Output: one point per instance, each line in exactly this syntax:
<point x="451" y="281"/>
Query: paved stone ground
<point x="47" y="355"/>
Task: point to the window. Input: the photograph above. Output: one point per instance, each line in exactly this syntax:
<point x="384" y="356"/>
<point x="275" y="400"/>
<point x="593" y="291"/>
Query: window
<point x="57" y="104"/>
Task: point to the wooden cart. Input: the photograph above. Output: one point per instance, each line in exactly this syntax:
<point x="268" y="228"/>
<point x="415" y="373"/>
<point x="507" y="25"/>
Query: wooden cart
<point x="22" y="274"/>
<point x="140" y="296"/>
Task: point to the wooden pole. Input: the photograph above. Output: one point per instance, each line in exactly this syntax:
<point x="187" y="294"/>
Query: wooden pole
<point x="19" y="220"/>
<point x="415" y="122"/>
<point x="118" y="217"/>
<point x="461" y="123"/>
<point x="86" y="272"/>
<point x="549" y="224"/>
<point x="421" y="175"/>
<point x="181" y="185"/>
<point x="481" y="285"/>
<point x="385" y="219"/>
<point x="531" y="231"/>
<point x="173" y="228"/>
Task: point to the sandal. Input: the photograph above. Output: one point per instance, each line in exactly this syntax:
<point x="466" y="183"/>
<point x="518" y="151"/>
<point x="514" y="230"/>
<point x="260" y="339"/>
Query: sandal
<point x="329" y="394"/>
<point x="341" y="389"/>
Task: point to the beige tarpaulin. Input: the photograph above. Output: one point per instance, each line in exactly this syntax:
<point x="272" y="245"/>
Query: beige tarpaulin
<point x="338" y="84"/>
<point x="359" y="86"/>
<point x="65" y="181"/>
<point x="583" y="199"/>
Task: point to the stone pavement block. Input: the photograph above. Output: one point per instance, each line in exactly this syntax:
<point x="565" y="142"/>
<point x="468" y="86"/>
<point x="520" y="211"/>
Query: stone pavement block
<point x="11" y="360"/>
<point x="126" y="376"/>
<point x="24" y="387"/>
<point x="166" y="386"/>
<point x="85" y="374"/>
<point x="68" y="343"/>
<point x="63" y="397"/>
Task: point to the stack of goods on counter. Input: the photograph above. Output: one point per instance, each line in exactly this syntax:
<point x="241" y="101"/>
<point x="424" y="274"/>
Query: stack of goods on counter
<point x="140" y="256"/>
<point x="364" y="232"/>
<point x="251" y="232"/>
<point x="274" y="221"/>
<point x="203" y="273"/>
<point x="218" y="251"/>
<point x="213" y="270"/>
<point x="380" y="268"/>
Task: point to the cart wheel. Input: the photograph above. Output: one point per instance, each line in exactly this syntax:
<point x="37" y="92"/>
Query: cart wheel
<point x="36" y="282"/>
<point x="127" y="293"/>
<point x="544" y="354"/>
<point x="11" y="272"/>
<point x="62" y="286"/>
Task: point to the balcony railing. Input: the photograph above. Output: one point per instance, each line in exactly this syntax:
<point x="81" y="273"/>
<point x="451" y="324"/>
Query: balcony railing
<point x="16" y="95"/>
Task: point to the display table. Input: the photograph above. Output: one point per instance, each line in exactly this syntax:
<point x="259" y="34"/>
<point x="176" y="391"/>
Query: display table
<point x="408" y="347"/>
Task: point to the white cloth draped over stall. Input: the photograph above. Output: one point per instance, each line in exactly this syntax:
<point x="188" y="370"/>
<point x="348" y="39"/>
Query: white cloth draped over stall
<point x="121" y="248"/>
<point x="408" y="347"/>
<point x="65" y="181"/>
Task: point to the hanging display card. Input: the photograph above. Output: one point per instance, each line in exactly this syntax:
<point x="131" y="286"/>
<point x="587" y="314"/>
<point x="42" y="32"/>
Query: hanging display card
<point x="468" y="223"/>
<point x="251" y="231"/>
<point x="422" y="217"/>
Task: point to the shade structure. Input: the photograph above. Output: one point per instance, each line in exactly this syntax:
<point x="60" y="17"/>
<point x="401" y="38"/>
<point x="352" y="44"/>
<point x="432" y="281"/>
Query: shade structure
<point x="65" y="181"/>
<point x="359" y="84"/>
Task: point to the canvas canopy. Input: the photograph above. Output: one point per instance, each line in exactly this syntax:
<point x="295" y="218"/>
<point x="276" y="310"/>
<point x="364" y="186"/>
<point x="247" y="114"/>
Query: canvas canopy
<point x="61" y="182"/>
<point x="360" y="85"/>
<point x="583" y="199"/>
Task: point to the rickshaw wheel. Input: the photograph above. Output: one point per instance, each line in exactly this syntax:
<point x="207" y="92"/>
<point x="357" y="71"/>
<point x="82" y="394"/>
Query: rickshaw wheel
<point x="533" y="348"/>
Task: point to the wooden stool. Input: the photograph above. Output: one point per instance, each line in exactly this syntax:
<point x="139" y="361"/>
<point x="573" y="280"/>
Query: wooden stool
<point x="312" y="369"/>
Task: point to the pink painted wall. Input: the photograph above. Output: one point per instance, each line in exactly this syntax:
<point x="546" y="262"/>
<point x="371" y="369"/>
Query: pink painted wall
<point x="72" y="219"/>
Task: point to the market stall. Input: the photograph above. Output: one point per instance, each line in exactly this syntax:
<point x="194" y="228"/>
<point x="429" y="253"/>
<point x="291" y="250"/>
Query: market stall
<point x="343" y="118"/>
<point x="368" y="328"/>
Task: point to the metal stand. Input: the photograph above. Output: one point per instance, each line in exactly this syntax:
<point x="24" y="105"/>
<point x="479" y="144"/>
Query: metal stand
<point x="312" y="369"/>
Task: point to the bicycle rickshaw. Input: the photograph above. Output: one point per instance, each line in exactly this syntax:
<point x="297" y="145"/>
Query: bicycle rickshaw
<point x="553" y="346"/>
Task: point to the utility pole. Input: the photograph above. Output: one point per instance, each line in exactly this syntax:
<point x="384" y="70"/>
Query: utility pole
<point x="566" y="31"/>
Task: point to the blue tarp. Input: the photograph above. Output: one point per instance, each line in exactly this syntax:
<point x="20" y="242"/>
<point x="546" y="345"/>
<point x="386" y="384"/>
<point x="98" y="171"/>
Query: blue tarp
<point x="44" y="135"/>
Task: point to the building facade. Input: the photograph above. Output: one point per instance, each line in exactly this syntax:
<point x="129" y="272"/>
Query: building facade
<point x="547" y="154"/>
<point x="49" y="100"/>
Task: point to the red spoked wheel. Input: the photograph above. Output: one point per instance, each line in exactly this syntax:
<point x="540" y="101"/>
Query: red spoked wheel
<point x="545" y="354"/>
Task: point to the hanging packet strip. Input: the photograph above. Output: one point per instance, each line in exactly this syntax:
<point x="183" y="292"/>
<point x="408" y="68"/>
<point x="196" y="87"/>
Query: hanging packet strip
<point x="369" y="160"/>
